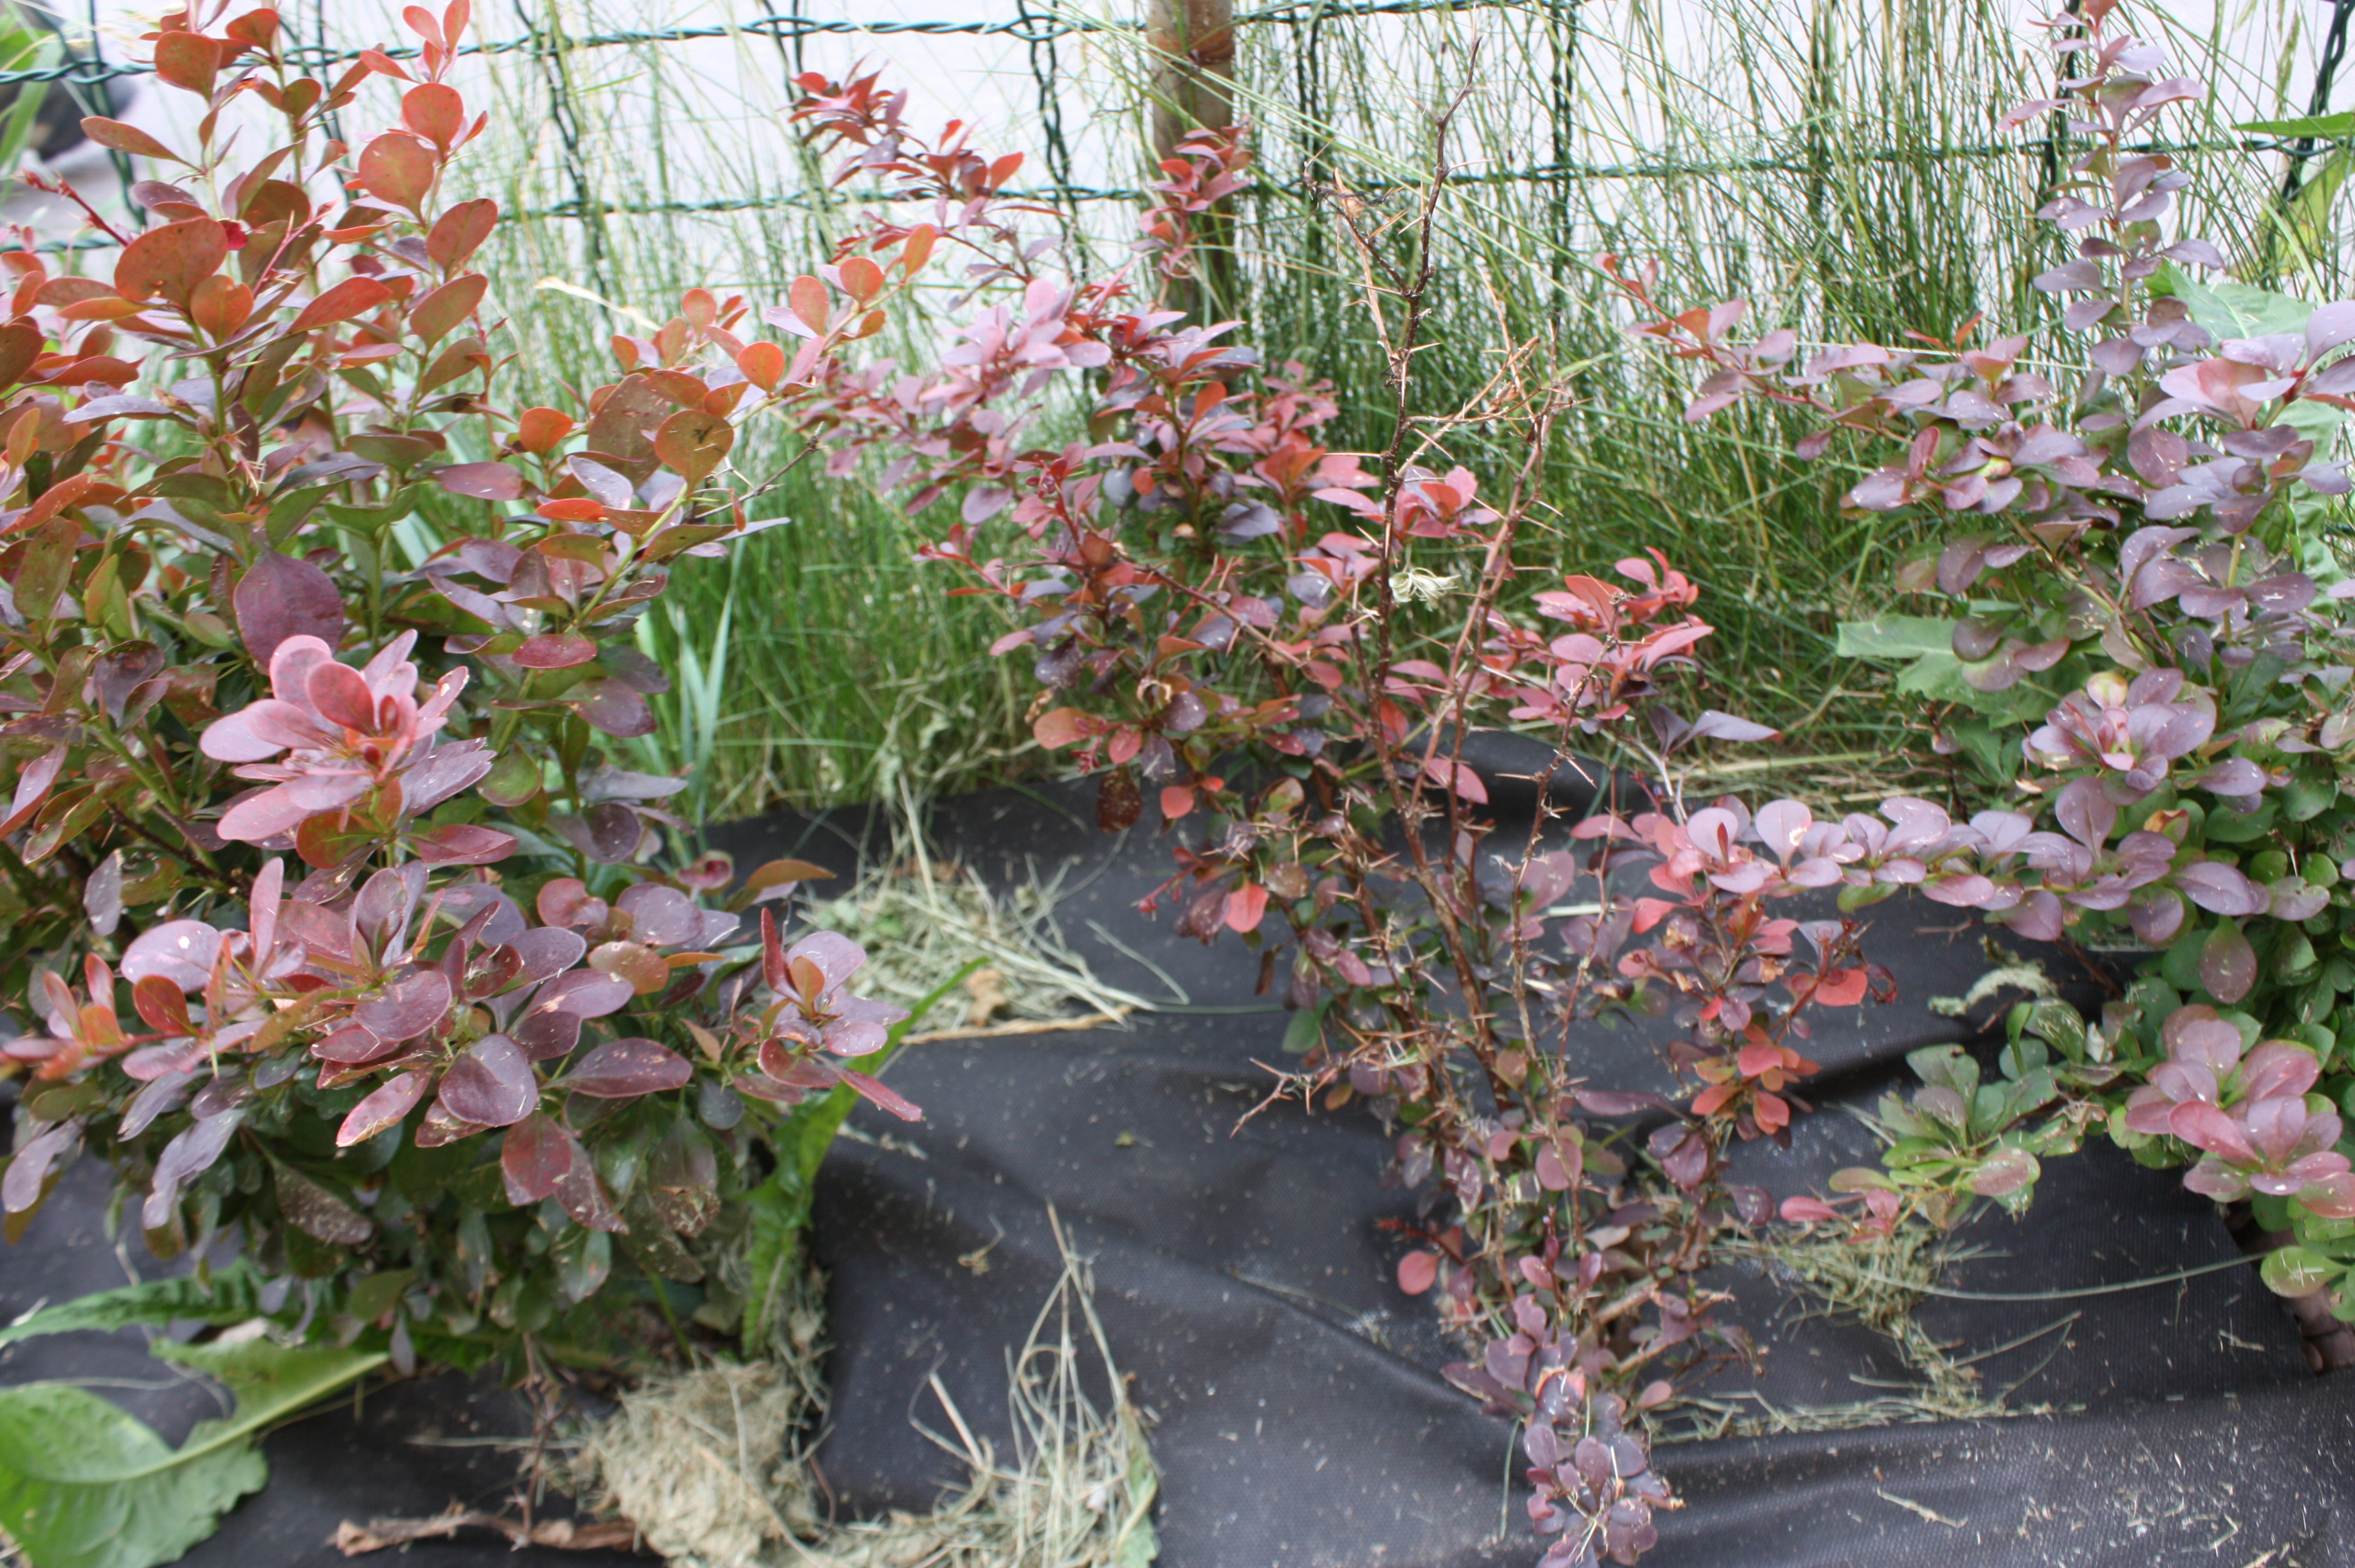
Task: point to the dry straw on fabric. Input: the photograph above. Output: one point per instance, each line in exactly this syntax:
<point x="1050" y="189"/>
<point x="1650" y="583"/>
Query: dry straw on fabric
<point x="712" y="1465"/>
<point x="1879" y="1283"/>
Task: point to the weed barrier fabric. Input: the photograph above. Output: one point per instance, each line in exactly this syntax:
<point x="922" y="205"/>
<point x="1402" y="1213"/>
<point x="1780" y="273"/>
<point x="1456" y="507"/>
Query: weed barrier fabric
<point x="1245" y="1280"/>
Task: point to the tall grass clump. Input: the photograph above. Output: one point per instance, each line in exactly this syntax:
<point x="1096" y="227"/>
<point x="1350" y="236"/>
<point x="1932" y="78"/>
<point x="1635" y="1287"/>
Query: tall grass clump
<point x="1834" y="162"/>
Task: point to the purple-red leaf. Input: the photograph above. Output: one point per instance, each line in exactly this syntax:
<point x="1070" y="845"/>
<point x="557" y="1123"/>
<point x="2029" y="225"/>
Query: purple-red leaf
<point x="352" y="1046"/>
<point x="2228" y="964"/>
<point x="873" y="1091"/>
<point x="548" y="950"/>
<point x="125" y="138"/>
<point x="554" y="650"/>
<point x="281" y="597"/>
<point x="491" y="1084"/>
<point x="352" y="297"/>
<point x="28" y="1173"/>
<point x="635" y="962"/>
<point x="464" y="844"/>
<point x="661" y="916"/>
<point x="623" y="1069"/>
<point x="611" y="707"/>
<point x="399" y="169"/>
<point x="583" y="993"/>
<point x="535" y="1155"/>
<point x="608" y="834"/>
<point x="406" y="1008"/>
<point x="546" y="1034"/>
<point x="584" y="1196"/>
<point x="604" y="486"/>
<point x="2204" y="1126"/>
<point x="483" y="481"/>
<point x="2221" y="890"/>
<point x="1714" y="725"/>
<point x="191" y="1152"/>
<point x="382" y="1109"/>
<point x="459" y="232"/>
<point x="171" y="260"/>
<point x="33" y="784"/>
<point x="1456" y="777"/>
<point x="181" y="950"/>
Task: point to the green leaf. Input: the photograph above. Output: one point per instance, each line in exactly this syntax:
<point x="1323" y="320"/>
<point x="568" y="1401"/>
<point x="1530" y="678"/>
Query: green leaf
<point x="583" y="1259"/>
<point x="84" y="1485"/>
<point x="2323" y="127"/>
<point x="373" y="1296"/>
<point x="23" y="119"/>
<point x="2302" y="218"/>
<point x="2329" y="1237"/>
<point x="1138" y="1545"/>
<point x="778" y="1209"/>
<point x="2228" y="309"/>
<point x="1305" y="1029"/>
<point x="2225" y="826"/>
<point x="2021" y="1057"/>
<point x="652" y="1244"/>
<point x="1938" y="677"/>
<point x="1945" y="1067"/>
<point x="2295" y="1271"/>
<point x="1895" y="638"/>
<point x="2058" y="1024"/>
<point x="2308" y="795"/>
<point x="1993" y="752"/>
<point x="2007" y="1175"/>
<point x="2317" y="421"/>
<point x="233" y="1296"/>
<point x="63" y="1456"/>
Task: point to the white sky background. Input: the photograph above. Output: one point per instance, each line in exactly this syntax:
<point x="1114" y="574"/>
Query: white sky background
<point x="724" y="97"/>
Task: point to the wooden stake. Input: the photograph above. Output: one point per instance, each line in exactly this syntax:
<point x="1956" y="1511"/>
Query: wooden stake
<point x="1193" y="78"/>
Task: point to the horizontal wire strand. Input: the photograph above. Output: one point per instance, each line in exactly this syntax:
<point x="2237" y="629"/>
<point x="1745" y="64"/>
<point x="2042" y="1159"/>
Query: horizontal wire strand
<point x="1030" y="30"/>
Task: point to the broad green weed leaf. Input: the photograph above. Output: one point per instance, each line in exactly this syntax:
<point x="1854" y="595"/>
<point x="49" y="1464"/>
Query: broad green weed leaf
<point x="234" y="1295"/>
<point x="85" y="1484"/>
<point x="2228" y="309"/>
<point x="67" y="1491"/>
<point x="1936" y="675"/>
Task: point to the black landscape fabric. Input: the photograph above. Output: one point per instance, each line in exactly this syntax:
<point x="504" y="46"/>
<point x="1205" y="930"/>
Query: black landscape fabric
<point x="1245" y="1278"/>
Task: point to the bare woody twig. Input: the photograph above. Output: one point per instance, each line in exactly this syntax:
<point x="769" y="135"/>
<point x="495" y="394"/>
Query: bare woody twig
<point x="563" y="1534"/>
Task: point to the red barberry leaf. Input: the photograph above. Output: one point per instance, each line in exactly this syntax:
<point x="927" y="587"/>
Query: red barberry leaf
<point x="535" y="1156"/>
<point x="624" y="1069"/>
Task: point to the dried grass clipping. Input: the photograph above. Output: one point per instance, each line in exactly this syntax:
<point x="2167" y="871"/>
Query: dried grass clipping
<point x="711" y="1465"/>
<point x="924" y="921"/>
<point x="1880" y="1281"/>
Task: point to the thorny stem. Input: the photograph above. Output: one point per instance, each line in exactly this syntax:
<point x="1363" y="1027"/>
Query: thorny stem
<point x="90" y="214"/>
<point x="1400" y="344"/>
